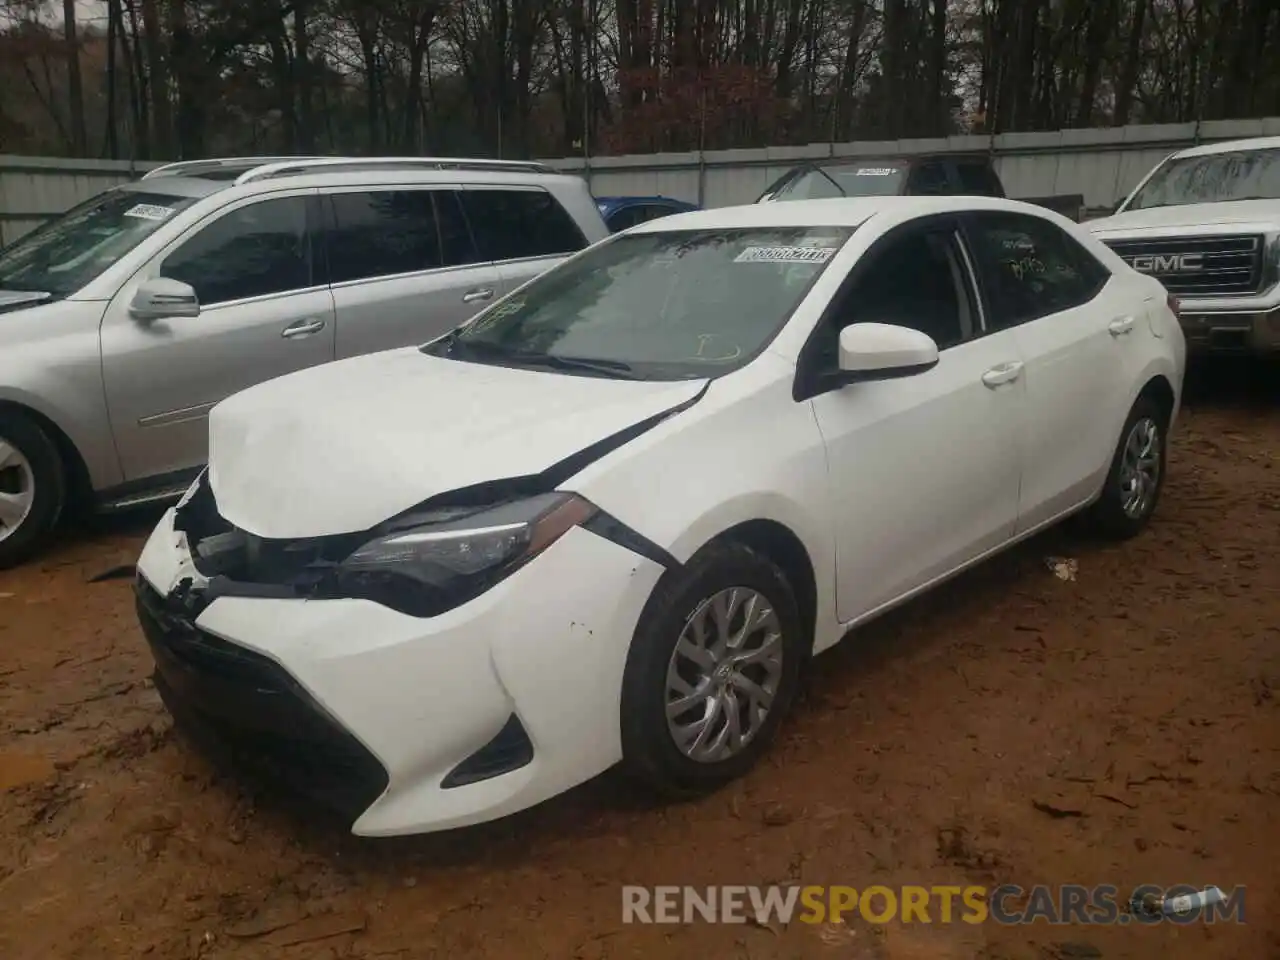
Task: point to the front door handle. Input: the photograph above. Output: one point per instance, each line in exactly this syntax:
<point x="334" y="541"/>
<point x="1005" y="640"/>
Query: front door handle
<point x="302" y="328"/>
<point x="1004" y="373"/>
<point x="483" y="293"/>
<point x="1121" y="326"/>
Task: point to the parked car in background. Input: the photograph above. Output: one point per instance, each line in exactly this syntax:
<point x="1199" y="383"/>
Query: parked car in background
<point x="125" y="320"/>
<point x="1205" y="222"/>
<point x="611" y="518"/>
<point x="926" y="175"/>
<point x="622" y="213"/>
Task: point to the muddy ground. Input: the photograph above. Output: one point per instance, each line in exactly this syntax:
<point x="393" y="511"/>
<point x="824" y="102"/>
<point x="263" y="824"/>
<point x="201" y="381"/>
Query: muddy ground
<point x="1119" y="728"/>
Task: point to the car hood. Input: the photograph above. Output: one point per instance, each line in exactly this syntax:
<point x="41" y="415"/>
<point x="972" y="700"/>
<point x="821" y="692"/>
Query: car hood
<point x="344" y="446"/>
<point x="1247" y="216"/>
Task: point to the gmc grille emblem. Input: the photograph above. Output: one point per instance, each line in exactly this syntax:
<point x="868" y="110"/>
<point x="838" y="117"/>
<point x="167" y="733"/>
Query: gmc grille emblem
<point x="1168" y="262"/>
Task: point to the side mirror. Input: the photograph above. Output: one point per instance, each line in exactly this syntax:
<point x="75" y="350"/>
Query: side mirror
<point x="160" y="298"/>
<point x="883" y="351"/>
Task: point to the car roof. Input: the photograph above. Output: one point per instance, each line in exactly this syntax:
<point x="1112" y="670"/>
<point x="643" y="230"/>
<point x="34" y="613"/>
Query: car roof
<point x="656" y="198"/>
<point x="345" y="172"/>
<point x="1230" y="146"/>
<point x="842" y="212"/>
<point x="898" y="158"/>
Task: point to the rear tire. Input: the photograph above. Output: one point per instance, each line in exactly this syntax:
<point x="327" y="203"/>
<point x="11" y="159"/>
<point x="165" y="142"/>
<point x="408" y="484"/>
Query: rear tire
<point x="742" y="641"/>
<point x="33" y="488"/>
<point x="1136" y="478"/>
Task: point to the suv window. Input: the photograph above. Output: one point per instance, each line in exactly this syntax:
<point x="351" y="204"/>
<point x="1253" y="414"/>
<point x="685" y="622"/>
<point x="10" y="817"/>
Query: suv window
<point x="929" y="179"/>
<point x="456" y="243"/>
<point x="977" y="177"/>
<point x="513" y="224"/>
<point x="253" y="251"/>
<point x="655" y="211"/>
<point x="381" y="233"/>
<point x="626" y="218"/>
<point x="1032" y="268"/>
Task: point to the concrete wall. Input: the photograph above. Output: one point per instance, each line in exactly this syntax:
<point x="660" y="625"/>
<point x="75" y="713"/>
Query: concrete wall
<point x="34" y="189"/>
<point x="1103" y="165"/>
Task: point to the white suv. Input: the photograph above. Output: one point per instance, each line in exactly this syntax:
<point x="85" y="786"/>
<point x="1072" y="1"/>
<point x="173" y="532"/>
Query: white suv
<point x="125" y="320"/>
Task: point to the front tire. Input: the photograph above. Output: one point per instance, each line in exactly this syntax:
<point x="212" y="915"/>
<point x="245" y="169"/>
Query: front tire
<point x="713" y="669"/>
<point x="1136" y="478"/>
<point x="33" y="488"/>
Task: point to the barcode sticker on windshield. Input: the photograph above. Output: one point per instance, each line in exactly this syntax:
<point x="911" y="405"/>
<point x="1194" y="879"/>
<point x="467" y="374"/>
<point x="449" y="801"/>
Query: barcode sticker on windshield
<point x="876" y="172"/>
<point x="785" y="255"/>
<point x="149" y="211"/>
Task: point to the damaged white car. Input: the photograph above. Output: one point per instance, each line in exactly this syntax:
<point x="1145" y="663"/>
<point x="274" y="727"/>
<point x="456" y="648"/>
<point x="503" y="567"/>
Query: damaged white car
<point x="611" y="519"/>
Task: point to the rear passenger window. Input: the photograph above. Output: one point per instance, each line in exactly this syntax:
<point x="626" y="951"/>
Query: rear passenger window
<point x="929" y="179"/>
<point x="1031" y="268"/>
<point x="382" y="233"/>
<point x="978" y="179"/>
<point x="256" y="250"/>
<point x="513" y="224"/>
<point x="456" y="242"/>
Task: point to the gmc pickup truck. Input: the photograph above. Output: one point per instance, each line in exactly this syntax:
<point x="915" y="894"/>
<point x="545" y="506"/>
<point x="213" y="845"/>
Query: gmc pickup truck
<point x="1206" y="223"/>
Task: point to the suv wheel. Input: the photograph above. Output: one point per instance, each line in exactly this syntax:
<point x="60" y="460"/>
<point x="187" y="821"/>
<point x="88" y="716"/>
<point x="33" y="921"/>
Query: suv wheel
<point x="32" y="488"/>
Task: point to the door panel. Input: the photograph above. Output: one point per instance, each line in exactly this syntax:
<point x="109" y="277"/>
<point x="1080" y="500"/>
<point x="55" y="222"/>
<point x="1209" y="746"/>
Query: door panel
<point x="925" y="472"/>
<point x="1059" y="304"/>
<point x="924" y="469"/>
<point x="162" y="377"/>
<point x="406" y="311"/>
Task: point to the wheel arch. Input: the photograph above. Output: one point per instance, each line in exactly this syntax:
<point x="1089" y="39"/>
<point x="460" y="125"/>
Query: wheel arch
<point x="782" y="546"/>
<point x="79" y="485"/>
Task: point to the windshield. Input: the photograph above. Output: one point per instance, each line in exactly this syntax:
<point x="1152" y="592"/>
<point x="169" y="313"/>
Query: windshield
<point x="655" y="306"/>
<point x="1213" y="178"/>
<point x="874" y="178"/>
<point x="62" y="256"/>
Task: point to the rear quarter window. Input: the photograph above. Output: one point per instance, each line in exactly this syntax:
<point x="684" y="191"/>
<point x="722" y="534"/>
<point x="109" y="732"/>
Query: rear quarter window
<point x="520" y="224"/>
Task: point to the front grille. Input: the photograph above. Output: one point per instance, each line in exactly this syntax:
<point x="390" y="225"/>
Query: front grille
<point x="245" y="709"/>
<point x="1198" y="266"/>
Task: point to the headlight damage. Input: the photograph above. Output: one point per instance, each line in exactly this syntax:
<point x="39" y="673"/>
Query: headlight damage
<point x="422" y="563"/>
<point x="436" y="560"/>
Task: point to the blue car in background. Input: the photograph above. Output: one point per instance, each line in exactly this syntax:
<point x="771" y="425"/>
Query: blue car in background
<point x="619" y="213"/>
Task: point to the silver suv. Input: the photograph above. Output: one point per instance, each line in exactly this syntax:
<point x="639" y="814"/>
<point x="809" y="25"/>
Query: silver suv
<point x="126" y="319"/>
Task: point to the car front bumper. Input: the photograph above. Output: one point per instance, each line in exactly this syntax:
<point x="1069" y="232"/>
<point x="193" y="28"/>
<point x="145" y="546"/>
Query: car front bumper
<point x="1222" y="331"/>
<point x="406" y="724"/>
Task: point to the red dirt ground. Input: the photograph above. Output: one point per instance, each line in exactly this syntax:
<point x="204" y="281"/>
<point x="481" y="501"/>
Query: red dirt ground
<point x="1142" y="695"/>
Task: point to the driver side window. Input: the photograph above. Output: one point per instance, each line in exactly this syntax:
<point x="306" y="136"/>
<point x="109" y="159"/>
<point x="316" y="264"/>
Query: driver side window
<point x="915" y="280"/>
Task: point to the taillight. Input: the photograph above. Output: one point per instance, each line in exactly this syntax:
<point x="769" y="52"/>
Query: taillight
<point x="1175" y="306"/>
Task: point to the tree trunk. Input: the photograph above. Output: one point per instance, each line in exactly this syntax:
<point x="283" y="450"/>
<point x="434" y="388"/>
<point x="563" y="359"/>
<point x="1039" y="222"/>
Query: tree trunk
<point x="161" y="112"/>
<point x="75" y="84"/>
<point x="1131" y="65"/>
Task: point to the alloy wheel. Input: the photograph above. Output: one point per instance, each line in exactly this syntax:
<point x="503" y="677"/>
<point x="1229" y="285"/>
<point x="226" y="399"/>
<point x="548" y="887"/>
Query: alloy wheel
<point x="1140" y="468"/>
<point x="724" y="674"/>
<point x="17" y="489"/>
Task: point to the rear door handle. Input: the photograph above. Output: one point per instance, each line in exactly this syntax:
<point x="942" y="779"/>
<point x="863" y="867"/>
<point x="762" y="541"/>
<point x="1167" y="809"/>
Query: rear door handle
<point x="302" y="328"/>
<point x="483" y="293"/>
<point x="1121" y="326"/>
<point x="1004" y="373"/>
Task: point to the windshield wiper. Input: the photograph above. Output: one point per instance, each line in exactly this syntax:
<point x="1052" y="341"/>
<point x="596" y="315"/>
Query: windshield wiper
<point x="611" y="368"/>
<point x="617" y="369"/>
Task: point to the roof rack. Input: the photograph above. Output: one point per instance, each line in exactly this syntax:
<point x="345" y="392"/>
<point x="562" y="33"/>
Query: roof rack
<point x="300" y="165"/>
<point x="194" y="166"/>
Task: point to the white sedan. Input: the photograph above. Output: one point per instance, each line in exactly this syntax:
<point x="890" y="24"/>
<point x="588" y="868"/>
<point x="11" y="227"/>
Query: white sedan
<point x="611" y="518"/>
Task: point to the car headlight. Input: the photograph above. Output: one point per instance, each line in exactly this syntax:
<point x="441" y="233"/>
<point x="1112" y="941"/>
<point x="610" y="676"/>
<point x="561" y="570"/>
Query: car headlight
<point x="436" y="560"/>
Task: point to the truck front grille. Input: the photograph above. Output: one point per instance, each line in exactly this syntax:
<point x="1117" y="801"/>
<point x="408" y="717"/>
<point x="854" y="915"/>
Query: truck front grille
<point x="1198" y="266"/>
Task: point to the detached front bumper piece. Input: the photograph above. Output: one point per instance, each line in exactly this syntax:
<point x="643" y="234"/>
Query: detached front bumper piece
<point x="244" y="708"/>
